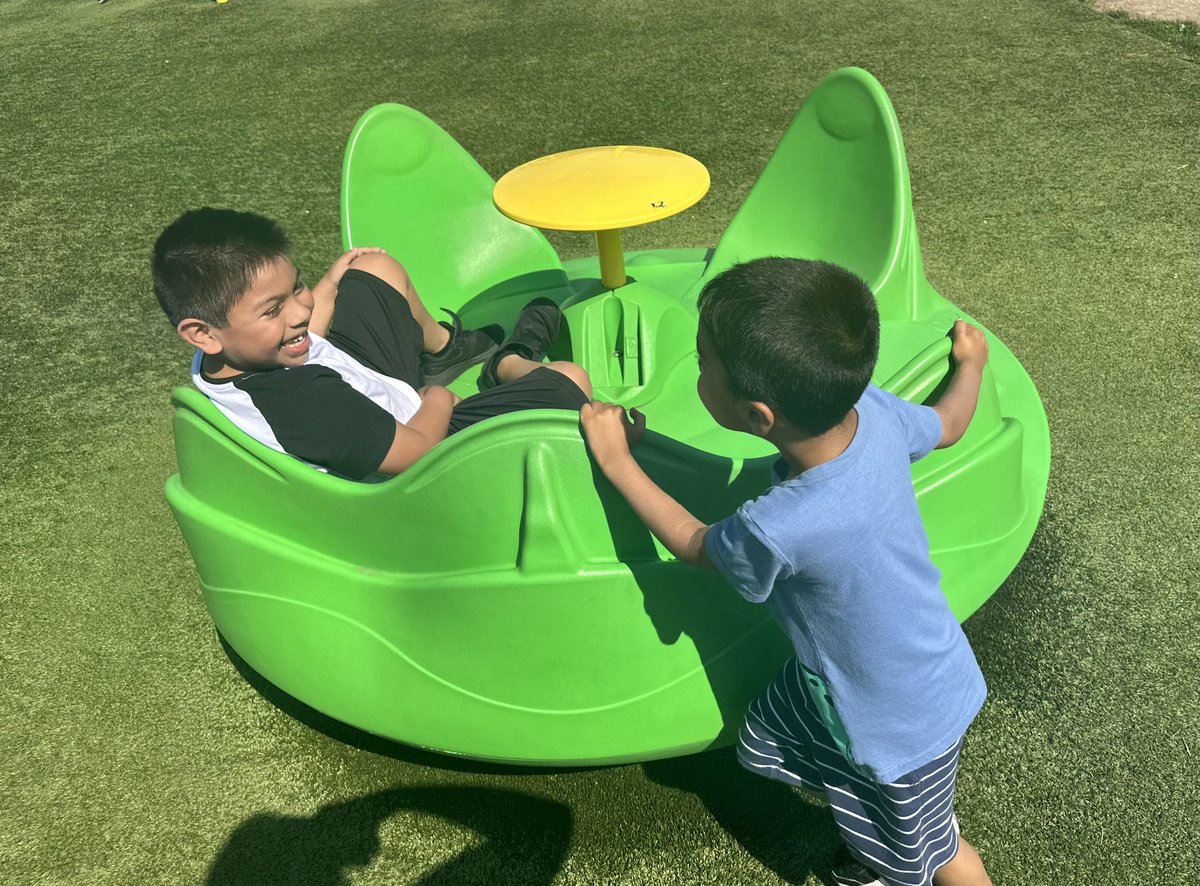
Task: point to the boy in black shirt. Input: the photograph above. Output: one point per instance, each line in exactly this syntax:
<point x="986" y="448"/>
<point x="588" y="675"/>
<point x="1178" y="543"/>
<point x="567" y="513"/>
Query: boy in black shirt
<point x="348" y="375"/>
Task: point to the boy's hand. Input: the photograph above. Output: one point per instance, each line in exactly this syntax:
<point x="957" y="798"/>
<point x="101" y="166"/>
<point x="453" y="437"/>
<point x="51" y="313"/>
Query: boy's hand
<point x="970" y="346"/>
<point x="609" y="432"/>
<point x="324" y="294"/>
<point x="956" y="406"/>
<point x="437" y="392"/>
<point x="338" y="269"/>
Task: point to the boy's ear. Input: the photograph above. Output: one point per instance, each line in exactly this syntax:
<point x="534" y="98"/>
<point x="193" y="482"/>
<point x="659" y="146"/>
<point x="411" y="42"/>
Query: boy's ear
<point x="760" y="417"/>
<point x="199" y="334"/>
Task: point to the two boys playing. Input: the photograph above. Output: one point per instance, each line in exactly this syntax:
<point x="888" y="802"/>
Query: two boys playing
<point x="871" y="712"/>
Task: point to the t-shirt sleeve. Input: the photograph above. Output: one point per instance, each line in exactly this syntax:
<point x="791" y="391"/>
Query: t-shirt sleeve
<point x="745" y="557"/>
<point x="317" y="416"/>
<point x="922" y="425"/>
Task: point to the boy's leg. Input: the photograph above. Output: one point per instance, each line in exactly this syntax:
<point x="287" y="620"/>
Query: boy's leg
<point x="513" y="367"/>
<point x="522" y="352"/>
<point x="774" y="742"/>
<point x="543" y="388"/>
<point x="965" y="869"/>
<point x="904" y="831"/>
<point x="784" y="739"/>
<point x="443" y="350"/>
<point x="373" y="323"/>
<point x="386" y="268"/>
<point x="515" y="379"/>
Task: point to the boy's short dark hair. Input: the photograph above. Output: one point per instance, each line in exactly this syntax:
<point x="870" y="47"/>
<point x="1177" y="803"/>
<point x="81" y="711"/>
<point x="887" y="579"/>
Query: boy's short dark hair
<point x="801" y="336"/>
<point x="207" y="258"/>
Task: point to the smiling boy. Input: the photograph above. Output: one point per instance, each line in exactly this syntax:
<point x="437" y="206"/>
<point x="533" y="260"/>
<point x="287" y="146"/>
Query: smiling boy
<point x="348" y="375"/>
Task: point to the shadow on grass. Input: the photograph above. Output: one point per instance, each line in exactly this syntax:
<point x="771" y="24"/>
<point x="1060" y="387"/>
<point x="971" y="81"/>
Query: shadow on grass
<point x="782" y="828"/>
<point x="525" y="840"/>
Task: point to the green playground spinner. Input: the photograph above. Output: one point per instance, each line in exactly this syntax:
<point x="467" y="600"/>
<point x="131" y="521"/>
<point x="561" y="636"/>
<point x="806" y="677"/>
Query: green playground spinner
<point x="499" y="600"/>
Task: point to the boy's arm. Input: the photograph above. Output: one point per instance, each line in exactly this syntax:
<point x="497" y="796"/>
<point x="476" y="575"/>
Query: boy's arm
<point x="957" y="405"/>
<point x="424" y="430"/>
<point x="325" y="292"/>
<point x="608" y="433"/>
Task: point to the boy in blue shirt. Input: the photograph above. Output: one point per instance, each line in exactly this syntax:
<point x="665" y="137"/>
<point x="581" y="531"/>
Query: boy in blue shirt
<point x="873" y="708"/>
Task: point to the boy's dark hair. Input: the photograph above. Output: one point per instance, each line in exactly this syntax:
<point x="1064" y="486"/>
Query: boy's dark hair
<point x="207" y="258"/>
<point x="801" y="336"/>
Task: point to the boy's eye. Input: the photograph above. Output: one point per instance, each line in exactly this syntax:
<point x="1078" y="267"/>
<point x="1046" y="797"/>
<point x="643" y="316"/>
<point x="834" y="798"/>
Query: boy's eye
<point x="274" y="312"/>
<point x="299" y="286"/>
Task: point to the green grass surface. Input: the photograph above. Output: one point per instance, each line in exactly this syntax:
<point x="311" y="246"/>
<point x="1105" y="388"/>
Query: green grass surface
<point x="1054" y="165"/>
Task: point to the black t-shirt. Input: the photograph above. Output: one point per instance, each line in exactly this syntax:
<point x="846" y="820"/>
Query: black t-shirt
<point x="333" y="412"/>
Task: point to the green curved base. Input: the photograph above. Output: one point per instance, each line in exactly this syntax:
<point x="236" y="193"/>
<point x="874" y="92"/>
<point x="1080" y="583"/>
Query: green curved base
<point x="547" y="626"/>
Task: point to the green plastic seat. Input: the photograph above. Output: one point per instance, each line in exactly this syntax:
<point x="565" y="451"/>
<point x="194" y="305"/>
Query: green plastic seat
<point x="410" y="188"/>
<point x="499" y="600"/>
<point x="836" y="188"/>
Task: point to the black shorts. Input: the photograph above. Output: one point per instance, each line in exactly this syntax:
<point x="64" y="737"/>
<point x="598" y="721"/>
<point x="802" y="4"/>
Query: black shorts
<point x="374" y="324"/>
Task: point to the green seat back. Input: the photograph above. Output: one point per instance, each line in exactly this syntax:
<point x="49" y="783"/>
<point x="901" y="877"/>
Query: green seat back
<point x="410" y="188"/>
<point x="836" y="189"/>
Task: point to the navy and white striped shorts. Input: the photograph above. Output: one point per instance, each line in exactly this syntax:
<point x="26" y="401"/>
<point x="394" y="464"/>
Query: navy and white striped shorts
<point x="904" y="831"/>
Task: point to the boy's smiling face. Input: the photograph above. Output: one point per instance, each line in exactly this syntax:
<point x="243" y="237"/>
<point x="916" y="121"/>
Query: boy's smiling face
<point x="267" y="328"/>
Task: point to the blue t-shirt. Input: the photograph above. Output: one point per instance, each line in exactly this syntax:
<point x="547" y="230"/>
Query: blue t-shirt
<point x="840" y="556"/>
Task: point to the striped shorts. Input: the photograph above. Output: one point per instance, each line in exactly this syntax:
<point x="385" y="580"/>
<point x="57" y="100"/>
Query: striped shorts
<point x="904" y="831"/>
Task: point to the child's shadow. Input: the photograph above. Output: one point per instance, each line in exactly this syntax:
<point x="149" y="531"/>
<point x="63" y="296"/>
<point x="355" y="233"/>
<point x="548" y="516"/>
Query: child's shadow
<point x="779" y="826"/>
<point x="525" y="839"/>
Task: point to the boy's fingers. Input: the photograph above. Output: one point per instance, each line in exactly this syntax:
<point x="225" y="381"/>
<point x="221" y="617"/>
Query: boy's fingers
<point x="639" y="418"/>
<point x="594" y="410"/>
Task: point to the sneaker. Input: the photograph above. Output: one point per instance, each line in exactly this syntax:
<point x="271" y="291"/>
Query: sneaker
<point x="854" y="873"/>
<point x="534" y="332"/>
<point x="466" y="348"/>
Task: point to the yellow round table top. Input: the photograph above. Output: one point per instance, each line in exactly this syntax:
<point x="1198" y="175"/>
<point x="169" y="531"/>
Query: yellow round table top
<point x="600" y="189"/>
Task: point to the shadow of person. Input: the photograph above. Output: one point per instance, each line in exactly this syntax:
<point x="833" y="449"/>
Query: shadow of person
<point x="789" y="831"/>
<point x="525" y="840"/>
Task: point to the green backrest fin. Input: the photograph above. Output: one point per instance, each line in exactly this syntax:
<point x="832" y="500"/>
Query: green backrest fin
<point x="410" y="188"/>
<point x="836" y="189"/>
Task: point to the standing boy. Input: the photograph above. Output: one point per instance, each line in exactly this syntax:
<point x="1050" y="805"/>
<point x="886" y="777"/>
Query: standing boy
<point x="873" y="708"/>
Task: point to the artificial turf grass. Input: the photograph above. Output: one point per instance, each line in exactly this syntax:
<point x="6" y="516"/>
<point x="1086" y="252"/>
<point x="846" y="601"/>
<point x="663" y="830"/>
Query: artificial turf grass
<point x="1054" y="172"/>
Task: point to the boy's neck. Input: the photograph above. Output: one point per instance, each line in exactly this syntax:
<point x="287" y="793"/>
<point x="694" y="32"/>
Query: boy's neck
<point x="802" y="453"/>
<point x="213" y="366"/>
